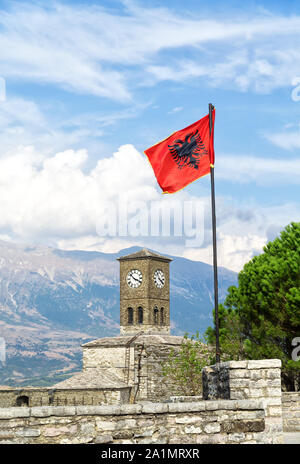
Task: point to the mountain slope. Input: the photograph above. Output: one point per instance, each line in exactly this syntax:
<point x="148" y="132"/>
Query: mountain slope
<point x="52" y="301"/>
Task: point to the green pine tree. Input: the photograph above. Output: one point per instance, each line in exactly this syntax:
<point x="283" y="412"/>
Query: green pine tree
<point x="261" y="316"/>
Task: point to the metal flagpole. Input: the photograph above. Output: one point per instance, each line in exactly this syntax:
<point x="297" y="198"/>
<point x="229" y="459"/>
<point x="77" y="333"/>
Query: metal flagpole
<point x="214" y="234"/>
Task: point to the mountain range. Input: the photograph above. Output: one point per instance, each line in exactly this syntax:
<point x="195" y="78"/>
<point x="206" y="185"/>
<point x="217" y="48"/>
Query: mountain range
<point x="52" y="301"/>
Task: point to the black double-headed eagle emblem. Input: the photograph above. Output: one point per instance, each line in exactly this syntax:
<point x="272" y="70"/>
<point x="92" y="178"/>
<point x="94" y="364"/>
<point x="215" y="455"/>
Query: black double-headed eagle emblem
<point x="189" y="151"/>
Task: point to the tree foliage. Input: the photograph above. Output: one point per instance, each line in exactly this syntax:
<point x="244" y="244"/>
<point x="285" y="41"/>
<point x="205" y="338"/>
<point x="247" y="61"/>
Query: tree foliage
<point x="184" y="367"/>
<point x="261" y="316"/>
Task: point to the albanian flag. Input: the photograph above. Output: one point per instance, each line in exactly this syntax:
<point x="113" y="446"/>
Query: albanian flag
<point x="184" y="156"/>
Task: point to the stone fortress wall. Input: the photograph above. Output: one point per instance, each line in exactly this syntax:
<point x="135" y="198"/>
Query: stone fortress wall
<point x="252" y="414"/>
<point x="47" y="396"/>
<point x="199" y="422"/>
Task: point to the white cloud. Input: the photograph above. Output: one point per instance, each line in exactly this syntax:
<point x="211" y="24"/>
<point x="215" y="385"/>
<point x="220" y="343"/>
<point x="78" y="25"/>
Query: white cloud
<point x="243" y="231"/>
<point x="25" y="122"/>
<point x="175" y="110"/>
<point x="53" y="197"/>
<point x="56" y="201"/>
<point x="288" y="140"/>
<point x="90" y="50"/>
<point x="263" y="171"/>
<point x="233" y="250"/>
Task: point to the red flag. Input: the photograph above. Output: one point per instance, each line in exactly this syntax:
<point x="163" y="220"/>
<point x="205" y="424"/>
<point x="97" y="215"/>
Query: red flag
<point x="184" y="156"/>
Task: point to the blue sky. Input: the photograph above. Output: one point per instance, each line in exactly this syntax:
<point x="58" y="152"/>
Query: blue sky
<point x="90" y="85"/>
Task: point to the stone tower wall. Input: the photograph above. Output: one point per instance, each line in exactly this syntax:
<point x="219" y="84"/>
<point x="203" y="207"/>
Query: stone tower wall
<point x="147" y="296"/>
<point x="150" y="383"/>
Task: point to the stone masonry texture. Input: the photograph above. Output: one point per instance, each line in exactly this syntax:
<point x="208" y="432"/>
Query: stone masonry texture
<point x="146" y="296"/>
<point x="291" y="411"/>
<point x="197" y="422"/>
<point x="47" y="396"/>
<point x="249" y="380"/>
<point x="142" y="369"/>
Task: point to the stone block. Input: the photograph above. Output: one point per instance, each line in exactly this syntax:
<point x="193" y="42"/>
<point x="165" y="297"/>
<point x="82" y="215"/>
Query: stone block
<point x="123" y="434"/>
<point x="274" y="383"/>
<point x="273" y="392"/>
<point x="186" y="407"/>
<point x="239" y="383"/>
<point x="190" y="419"/>
<point x="125" y="424"/>
<point x="223" y="417"/>
<point x="75" y="440"/>
<point x="105" y="410"/>
<point x="272" y="401"/>
<point x="27" y="432"/>
<point x="155" y="408"/>
<point x="12" y="423"/>
<point x="212" y="439"/>
<point x="6" y="433"/>
<point x="248" y="415"/>
<point x="56" y="431"/>
<point x="212" y="427"/>
<point x="275" y="411"/>
<point x="250" y="404"/>
<point x="227" y="404"/>
<point x="237" y="364"/>
<point x="273" y="374"/>
<point x="257" y="374"/>
<point x="145" y="433"/>
<point x="264" y="364"/>
<point x="87" y="428"/>
<point x="11" y="413"/>
<point x="236" y="437"/>
<point x="239" y="394"/>
<point x="191" y="429"/>
<point x="102" y="439"/>
<point x="256" y="425"/>
<point x="212" y="405"/>
<point x="256" y="393"/>
<point x="239" y="373"/>
<point x="105" y="425"/>
<point x="130" y="409"/>
<point x="63" y="410"/>
<point x="42" y="411"/>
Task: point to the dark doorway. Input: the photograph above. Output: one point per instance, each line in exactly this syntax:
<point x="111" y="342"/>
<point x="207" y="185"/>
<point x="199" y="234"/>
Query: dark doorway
<point x="22" y="400"/>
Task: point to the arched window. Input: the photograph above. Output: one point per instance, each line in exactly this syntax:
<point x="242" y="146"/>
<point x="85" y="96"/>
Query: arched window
<point x="140" y="315"/>
<point x="162" y="316"/>
<point x="155" y="315"/>
<point x="22" y="400"/>
<point x="130" y="316"/>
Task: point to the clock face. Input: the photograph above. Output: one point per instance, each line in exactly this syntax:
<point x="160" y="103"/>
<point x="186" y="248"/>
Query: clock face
<point x="159" y="278"/>
<point x="134" y="278"/>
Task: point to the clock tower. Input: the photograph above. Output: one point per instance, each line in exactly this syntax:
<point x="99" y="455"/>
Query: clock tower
<point x="144" y="293"/>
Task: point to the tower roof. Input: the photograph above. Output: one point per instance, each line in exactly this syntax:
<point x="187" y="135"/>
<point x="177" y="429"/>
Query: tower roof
<point x="145" y="253"/>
